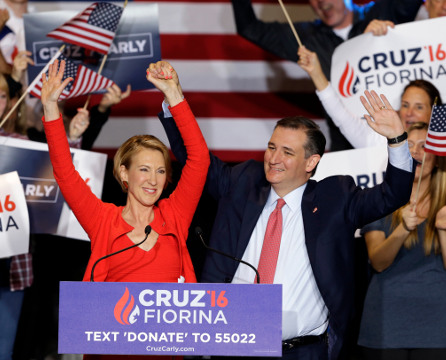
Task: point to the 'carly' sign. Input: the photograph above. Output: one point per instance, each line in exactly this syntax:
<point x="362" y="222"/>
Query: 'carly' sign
<point x="170" y="319"/>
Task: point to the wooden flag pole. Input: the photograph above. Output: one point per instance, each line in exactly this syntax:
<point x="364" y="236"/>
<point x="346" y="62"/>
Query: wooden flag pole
<point x="424" y="158"/>
<point x="290" y="22"/>
<point x="419" y="182"/>
<point x="104" y="59"/>
<point x="35" y="81"/>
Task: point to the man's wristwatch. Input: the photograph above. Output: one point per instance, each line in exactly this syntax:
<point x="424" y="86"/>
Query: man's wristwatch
<point x="398" y="139"/>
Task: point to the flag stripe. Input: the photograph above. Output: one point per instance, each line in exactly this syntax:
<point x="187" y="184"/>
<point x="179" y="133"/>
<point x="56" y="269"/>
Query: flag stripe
<point x="211" y="47"/>
<point x="79" y="40"/>
<point x="88" y="28"/>
<point x="227" y="155"/>
<point x="242" y="76"/>
<point x="215" y="104"/>
<point x="436" y="134"/>
<point x="94" y="28"/>
<point x="85" y="81"/>
<point x="437" y="145"/>
<point x="225" y="135"/>
<point x="87" y="32"/>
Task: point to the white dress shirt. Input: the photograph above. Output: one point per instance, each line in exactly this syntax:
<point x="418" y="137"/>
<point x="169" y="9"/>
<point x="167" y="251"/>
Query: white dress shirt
<point x="303" y="310"/>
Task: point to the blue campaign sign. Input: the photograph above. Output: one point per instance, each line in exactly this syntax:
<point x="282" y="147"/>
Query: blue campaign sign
<point x="42" y="193"/>
<point x="170" y="319"/>
<point x="135" y="46"/>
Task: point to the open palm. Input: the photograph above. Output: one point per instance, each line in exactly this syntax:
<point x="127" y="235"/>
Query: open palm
<point x="53" y="86"/>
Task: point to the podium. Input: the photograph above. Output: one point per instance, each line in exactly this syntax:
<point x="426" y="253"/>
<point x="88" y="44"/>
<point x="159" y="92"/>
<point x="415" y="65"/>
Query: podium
<point x="170" y="319"/>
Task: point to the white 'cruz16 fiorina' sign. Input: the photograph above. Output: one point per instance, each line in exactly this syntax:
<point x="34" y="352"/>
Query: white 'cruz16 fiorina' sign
<point x="386" y="64"/>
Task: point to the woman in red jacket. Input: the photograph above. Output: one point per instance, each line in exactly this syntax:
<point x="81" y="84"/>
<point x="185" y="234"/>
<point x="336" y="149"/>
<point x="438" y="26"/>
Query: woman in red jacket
<point x="142" y="166"/>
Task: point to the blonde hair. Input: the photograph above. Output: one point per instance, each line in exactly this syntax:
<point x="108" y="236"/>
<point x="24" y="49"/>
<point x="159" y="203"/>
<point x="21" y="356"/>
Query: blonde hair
<point x="437" y="196"/>
<point x="132" y="146"/>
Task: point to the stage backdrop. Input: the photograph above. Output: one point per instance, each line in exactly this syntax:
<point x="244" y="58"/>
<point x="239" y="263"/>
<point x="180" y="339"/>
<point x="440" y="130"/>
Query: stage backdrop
<point x="235" y="88"/>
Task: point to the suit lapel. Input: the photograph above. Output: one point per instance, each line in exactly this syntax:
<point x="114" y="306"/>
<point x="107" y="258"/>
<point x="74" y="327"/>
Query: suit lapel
<point x="254" y="207"/>
<point x="311" y="220"/>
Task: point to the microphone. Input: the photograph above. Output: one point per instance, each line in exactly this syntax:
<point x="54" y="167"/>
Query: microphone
<point x="147" y="230"/>
<point x="199" y="233"/>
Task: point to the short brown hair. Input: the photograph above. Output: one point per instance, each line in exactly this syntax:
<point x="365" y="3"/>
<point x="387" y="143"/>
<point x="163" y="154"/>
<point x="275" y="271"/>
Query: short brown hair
<point x="132" y="146"/>
<point x="315" y="138"/>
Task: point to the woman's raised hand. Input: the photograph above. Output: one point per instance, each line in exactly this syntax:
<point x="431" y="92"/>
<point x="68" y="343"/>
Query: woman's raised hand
<point x="164" y="77"/>
<point x="52" y="87"/>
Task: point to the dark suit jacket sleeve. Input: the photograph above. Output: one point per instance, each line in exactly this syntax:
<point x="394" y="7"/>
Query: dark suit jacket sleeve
<point x="398" y="11"/>
<point x="274" y="37"/>
<point x="371" y="204"/>
<point x="219" y="174"/>
<point x="97" y="121"/>
<point x="14" y="86"/>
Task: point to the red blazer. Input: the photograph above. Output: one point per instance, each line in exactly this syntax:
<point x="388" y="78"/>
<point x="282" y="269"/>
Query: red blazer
<point x="103" y="221"/>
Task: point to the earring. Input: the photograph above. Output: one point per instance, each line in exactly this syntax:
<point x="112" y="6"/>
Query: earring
<point x="126" y="184"/>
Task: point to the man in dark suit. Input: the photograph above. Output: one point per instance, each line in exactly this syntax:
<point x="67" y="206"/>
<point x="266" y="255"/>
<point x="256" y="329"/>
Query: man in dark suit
<point x="338" y="21"/>
<point x="316" y="257"/>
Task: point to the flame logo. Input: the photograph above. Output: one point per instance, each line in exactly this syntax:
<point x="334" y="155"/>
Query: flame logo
<point x="345" y="83"/>
<point x="125" y="312"/>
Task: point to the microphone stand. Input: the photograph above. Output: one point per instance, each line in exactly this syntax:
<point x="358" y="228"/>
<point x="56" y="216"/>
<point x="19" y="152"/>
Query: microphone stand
<point x="147" y="231"/>
<point x="199" y="233"/>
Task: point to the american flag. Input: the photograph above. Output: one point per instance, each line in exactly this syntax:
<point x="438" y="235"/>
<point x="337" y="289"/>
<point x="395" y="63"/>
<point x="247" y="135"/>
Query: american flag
<point x="85" y="81"/>
<point x="94" y="28"/>
<point x="436" y="135"/>
<point x="236" y="90"/>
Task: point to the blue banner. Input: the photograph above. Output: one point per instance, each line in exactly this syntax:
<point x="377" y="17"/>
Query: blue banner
<point x="48" y="212"/>
<point x="170" y="319"/>
<point x="42" y="193"/>
<point x="134" y="47"/>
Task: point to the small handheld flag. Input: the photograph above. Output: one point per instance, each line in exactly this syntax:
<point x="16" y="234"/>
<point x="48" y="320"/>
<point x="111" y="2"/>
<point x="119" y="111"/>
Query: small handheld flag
<point x="436" y="134"/>
<point x="85" y="81"/>
<point x="94" y="28"/>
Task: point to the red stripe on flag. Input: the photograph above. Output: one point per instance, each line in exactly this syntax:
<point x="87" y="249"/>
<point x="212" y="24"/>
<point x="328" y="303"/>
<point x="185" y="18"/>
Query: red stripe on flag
<point x="436" y="137"/>
<point x="221" y="105"/>
<point x="438" y="153"/>
<point x="211" y="47"/>
<point x="79" y="82"/>
<point x="88" y="29"/>
<point x="224" y="155"/>
<point x="437" y="145"/>
<point x="80" y="43"/>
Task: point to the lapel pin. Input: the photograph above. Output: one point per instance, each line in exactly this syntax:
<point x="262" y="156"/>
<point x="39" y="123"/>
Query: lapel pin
<point x="314" y="210"/>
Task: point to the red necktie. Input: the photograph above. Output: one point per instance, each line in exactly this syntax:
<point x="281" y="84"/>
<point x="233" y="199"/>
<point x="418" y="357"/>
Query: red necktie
<point x="271" y="245"/>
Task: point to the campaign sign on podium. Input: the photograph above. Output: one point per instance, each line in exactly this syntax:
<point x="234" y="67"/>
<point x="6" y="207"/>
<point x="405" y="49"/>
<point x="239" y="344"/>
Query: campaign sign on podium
<point x="170" y="319"/>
